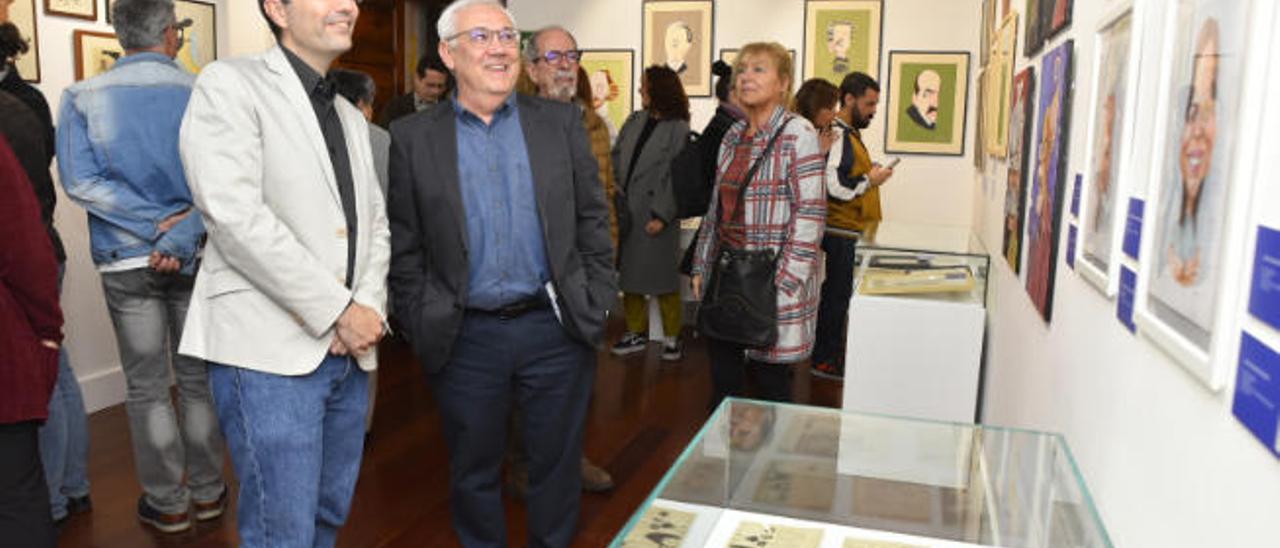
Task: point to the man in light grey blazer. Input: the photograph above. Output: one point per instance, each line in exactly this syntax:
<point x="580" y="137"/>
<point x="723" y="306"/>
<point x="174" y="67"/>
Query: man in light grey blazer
<point x="289" y="302"/>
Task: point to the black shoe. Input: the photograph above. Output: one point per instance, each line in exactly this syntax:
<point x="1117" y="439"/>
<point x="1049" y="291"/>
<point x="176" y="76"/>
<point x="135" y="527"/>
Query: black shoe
<point x="165" y="523"/>
<point x="630" y="344"/>
<point x="672" y="351"/>
<point x="206" y="511"/>
<point x="79" y="505"/>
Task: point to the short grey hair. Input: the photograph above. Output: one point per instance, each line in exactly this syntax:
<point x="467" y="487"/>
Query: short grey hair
<point x="534" y="51"/>
<point x="447" y="25"/>
<point x="141" y="24"/>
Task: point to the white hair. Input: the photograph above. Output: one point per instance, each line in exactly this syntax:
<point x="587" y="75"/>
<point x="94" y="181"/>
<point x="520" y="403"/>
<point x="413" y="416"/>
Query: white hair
<point x="447" y="25"/>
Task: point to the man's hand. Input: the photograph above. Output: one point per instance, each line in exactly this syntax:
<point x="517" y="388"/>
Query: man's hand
<point x="170" y="221"/>
<point x="654" y="226"/>
<point x="359" y="328"/>
<point x="164" y="264"/>
<point x="879" y="175"/>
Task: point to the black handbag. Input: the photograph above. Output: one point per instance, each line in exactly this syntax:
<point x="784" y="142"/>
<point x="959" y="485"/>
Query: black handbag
<point x="740" y="298"/>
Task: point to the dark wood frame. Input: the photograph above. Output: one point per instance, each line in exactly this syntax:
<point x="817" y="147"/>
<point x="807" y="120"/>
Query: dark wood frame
<point x="804" y="41"/>
<point x="92" y="16"/>
<point x="711" y="41"/>
<point x="78" y="48"/>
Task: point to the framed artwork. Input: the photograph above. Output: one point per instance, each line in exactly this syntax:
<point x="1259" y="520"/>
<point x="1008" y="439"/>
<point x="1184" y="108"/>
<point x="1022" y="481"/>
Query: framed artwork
<point x="1055" y="16"/>
<point x="80" y="9"/>
<point x="96" y="53"/>
<point x="679" y="35"/>
<point x="928" y="95"/>
<point x="1035" y="34"/>
<point x="841" y="36"/>
<point x="22" y="14"/>
<point x="1049" y="183"/>
<point x="610" y="72"/>
<point x="1015" y="194"/>
<point x="998" y="86"/>
<point x="980" y="135"/>
<point x="1197" y="197"/>
<point x="200" y="40"/>
<point x="988" y="31"/>
<point x="1110" y="149"/>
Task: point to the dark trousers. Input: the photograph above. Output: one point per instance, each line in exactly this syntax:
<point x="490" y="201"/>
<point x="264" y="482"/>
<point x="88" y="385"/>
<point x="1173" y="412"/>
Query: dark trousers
<point x="833" y="308"/>
<point x="730" y="369"/>
<point x="529" y="358"/>
<point x="24" y="498"/>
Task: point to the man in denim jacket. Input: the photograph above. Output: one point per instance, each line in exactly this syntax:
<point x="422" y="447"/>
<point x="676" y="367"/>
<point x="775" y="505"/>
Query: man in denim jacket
<point x="117" y="143"/>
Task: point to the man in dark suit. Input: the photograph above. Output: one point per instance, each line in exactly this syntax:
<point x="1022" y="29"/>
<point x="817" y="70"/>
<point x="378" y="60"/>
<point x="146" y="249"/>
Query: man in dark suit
<point x="430" y="84"/>
<point x="501" y="274"/>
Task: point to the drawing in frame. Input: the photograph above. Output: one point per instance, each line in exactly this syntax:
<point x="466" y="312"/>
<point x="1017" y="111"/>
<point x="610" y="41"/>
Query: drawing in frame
<point x="999" y="85"/>
<point x="95" y="53"/>
<point x="1109" y="147"/>
<point x="1049" y="177"/>
<point x="1021" y="112"/>
<point x="679" y="34"/>
<point x="80" y="9"/>
<point x="1055" y="17"/>
<point x="1034" y="31"/>
<point x="979" y="130"/>
<point x="988" y="40"/>
<point x="22" y="14"/>
<point x="928" y="97"/>
<point x="200" y="40"/>
<point x="1198" y="188"/>
<point x="611" y="72"/>
<point x="840" y="37"/>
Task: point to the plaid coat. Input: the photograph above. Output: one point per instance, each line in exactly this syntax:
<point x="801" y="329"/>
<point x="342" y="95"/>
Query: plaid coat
<point x="785" y="210"/>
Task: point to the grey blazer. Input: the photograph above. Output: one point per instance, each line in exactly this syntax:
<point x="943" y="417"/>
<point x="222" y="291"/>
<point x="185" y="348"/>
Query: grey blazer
<point x="429" y="266"/>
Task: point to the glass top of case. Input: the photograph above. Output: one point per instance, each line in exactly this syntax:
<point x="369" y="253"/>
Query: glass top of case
<point x="763" y="474"/>
<point x="921" y="237"/>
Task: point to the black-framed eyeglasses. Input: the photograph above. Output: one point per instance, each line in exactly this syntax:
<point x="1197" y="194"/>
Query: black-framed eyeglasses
<point x="481" y="36"/>
<point x="554" y="56"/>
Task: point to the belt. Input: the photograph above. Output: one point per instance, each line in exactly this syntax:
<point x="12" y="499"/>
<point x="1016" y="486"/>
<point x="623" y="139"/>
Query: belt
<point x="516" y="309"/>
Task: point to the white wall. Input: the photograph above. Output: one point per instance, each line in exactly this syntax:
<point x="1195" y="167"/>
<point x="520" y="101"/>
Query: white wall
<point x="930" y="189"/>
<point x="90" y="339"/>
<point x="1165" y="459"/>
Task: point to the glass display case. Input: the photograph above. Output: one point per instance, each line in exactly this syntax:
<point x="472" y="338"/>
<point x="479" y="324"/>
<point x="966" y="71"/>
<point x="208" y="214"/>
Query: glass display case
<point x="772" y="475"/>
<point x="922" y="261"/>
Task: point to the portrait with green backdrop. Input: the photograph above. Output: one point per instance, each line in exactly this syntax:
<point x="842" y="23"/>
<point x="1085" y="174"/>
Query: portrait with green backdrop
<point x="840" y="37"/>
<point x="904" y="135"/>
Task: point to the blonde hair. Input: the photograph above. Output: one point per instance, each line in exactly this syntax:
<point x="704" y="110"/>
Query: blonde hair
<point x="781" y="61"/>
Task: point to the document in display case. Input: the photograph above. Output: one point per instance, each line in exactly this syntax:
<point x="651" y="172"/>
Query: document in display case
<point x="778" y="475"/>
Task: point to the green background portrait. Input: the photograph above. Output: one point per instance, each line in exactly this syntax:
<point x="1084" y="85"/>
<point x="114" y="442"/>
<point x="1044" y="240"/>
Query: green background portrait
<point x="908" y="130"/>
<point x="859" y="43"/>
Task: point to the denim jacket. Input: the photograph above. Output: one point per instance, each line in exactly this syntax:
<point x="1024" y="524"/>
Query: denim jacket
<point x="118" y="158"/>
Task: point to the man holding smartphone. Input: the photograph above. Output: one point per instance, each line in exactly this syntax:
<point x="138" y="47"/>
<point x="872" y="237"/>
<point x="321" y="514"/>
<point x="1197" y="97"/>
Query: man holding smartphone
<point x="853" y="192"/>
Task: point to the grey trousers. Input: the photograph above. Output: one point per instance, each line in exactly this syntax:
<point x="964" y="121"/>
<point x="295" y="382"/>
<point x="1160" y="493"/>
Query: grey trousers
<point x="148" y="310"/>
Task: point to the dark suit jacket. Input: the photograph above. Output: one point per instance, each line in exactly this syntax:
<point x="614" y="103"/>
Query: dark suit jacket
<point x="398" y="107"/>
<point x="429" y="263"/>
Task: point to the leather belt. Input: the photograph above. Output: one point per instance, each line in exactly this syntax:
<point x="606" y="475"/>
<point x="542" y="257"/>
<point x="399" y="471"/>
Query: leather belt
<point x="518" y="308"/>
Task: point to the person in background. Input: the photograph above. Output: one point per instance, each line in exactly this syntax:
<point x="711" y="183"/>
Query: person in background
<point x="13" y="45"/>
<point x="601" y="147"/>
<point x="783" y="210"/>
<point x="817" y="101"/>
<point x="431" y="82"/>
<point x="853" y="203"/>
<point x="708" y="152"/>
<point x="649" y="249"/>
<point x="30" y="334"/>
<point x="118" y="158"/>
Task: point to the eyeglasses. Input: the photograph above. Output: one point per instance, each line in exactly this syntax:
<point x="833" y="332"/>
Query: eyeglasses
<point x="551" y="57"/>
<point x="481" y="36"/>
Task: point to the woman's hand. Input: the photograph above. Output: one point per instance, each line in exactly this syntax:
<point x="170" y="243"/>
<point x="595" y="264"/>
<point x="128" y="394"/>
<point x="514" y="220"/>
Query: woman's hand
<point x="696" y="286"/>
<point x="654" y="226"/>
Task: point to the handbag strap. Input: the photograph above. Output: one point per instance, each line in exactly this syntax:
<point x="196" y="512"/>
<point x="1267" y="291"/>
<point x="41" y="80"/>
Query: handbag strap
<point x="755" y="166"/>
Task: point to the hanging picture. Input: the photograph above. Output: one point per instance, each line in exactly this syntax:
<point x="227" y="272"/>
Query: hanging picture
<point x="610" y="73"/>
<point x="988" y="31"/>
<point x="928" y="94"/>
<point x="679" y="35"/>
<point x="999" y="84"/>
<point x="980" y="135"/>
<point x="1110" y="146"/>
<point x="95" y="52"/>
<point x="1021" y="103"/>
<point x="22" y="14"/>
<point x="1035" y="33"/>
<point x="1050" y="175"/>
<point x="1055" y="16"/>
<point x="840" y="37"/>
<point x="200" y="40"/>
<point x="80" y="9"/>
<point x="1194" y="170"/>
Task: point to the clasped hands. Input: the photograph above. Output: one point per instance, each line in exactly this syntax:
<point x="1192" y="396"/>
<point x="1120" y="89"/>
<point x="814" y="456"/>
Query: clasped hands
<point x="357" y="331"/>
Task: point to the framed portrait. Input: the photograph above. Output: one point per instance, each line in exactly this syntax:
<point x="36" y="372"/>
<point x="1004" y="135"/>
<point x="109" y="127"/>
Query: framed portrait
<point x="80" y="9"/>
<point x="980" y="156"/>
<point x="998" y="86"/>
<point x="22" y="14"/>
<point x="1055" y="16"/>
<point x="1021" y="110"/>
<point x="841" y="36"/>
<point x="928" y="95"/>
<point x="610" y="72"/>
<point x="1049" y="180"/>
<point x="200" y="40"/>
<point x="1035" y="34"/>
<point x="988" y="31"/>
<point x="96" y="53"/>
<point x="1109" y="154"/>
<point x="1197" y="193"/>
<point x="679" y="35"/>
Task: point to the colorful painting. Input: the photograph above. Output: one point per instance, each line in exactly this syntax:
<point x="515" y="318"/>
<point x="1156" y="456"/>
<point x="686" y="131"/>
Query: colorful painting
<point x="96" y="53"/>
<point x="1045" y="209"/>
<point x="840" y="37"/>
<point x="610" y="73"/>
<point x="679" y="36"/>
<point x="928" y="95"/>
<point x="1035" y="32"/>
<point x="1055" y="16"/>
<point x="1015" y="195"/>
<point x="22" y="14"/>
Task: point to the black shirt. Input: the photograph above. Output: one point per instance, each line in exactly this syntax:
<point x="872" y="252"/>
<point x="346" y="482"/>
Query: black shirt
<point x="322" y="92"/>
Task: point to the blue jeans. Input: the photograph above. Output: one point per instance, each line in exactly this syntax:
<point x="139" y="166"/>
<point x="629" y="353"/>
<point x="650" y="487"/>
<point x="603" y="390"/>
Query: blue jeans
<point x="296" y="444"/>
<point x="64" y="438"/>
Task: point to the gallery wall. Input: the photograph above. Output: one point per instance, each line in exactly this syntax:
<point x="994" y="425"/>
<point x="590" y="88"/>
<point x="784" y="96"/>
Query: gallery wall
<point x="925" y="189"/>
<point x="1167" y="462"/>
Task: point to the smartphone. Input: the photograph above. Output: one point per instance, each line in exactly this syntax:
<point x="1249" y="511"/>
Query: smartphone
<point x="893" y="163"/>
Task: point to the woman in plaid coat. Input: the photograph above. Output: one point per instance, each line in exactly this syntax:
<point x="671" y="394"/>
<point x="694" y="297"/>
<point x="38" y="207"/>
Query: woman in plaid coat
<point x="784" y="210"/>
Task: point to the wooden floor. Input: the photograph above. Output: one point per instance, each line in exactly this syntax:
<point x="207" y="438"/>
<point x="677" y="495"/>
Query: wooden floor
<point x="643" y="414"/>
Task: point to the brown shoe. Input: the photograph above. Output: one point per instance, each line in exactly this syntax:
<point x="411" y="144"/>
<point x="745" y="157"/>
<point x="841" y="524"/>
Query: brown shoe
<point x="213" y="509"/>
<point x="594" y="478"/>
<point x="165" y="523"/>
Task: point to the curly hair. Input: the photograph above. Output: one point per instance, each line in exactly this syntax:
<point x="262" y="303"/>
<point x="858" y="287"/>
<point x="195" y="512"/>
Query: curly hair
<point x="666" y="93"/>
<point x="11" y="42"/>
